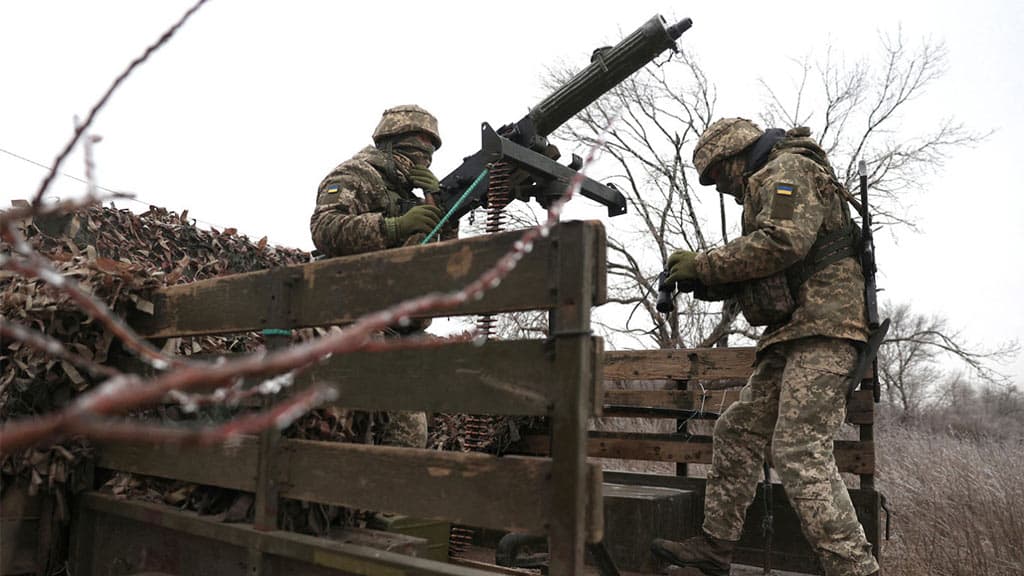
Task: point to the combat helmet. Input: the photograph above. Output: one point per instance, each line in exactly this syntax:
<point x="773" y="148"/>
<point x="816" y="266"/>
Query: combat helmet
<point x="725" y="137"/>
<point x="404" y="119"/>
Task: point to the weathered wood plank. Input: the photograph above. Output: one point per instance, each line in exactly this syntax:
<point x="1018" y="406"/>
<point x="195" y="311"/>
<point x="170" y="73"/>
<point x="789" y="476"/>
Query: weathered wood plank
<point x="475" y="489"/>
<point x="851" y="456"/>
<point x="860" y="409"/>
<point x="340" y="557"/>
<point x="570" y="326"/>
<point x="500" y="377"/>
<point x="228" y="466"/>
<point x="714" y="401"/>
<point x="511" y="492"/>
<point x="680" y="364"/>
<point x="507" y="377"/>
<point x="689" y="364"/>
<point x="339" y="290"/>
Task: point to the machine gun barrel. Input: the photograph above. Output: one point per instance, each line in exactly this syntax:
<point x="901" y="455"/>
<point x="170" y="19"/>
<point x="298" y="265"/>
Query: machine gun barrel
<point x="608" y="67"/>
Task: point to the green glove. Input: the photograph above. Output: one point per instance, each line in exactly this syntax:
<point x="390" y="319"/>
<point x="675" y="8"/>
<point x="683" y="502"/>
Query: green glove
<point x="682" y="266"/>
<point x="424" y="179"/>
<point x="419" y="219"/>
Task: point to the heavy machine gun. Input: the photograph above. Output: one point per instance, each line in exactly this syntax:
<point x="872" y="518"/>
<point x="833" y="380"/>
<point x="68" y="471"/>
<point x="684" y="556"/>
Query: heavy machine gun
<point x="524" y="146"/>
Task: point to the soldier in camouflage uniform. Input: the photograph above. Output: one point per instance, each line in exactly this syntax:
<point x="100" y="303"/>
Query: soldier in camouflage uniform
<point x="794" y="270"/>
<point x="367" y="203"/>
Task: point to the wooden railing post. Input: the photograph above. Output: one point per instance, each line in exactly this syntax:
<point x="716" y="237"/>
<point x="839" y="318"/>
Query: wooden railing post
<point x="267" y="497"/>
<point x="574" y="269"/>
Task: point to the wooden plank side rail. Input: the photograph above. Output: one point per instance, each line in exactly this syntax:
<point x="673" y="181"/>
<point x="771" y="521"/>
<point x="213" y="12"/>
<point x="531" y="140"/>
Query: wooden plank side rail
<point x="512" y="492"/>
<point x="681" y="364"/>
<point x="684" y="364"/>
<point x="855" y="457"/>
<point x="559" y="378"/>
<point x="710" y="366"/>
<point x="860" y="409"/>
<point x="340" y="290"/>
<point x="309" y="554"/>
<point x="462" y="378"/>
<point x="230" y="466"/>
<point x="709" y="382"/>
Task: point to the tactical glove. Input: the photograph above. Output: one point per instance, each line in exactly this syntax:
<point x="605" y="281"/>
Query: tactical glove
<point x="419" y="219"/>
<point x="424" y="179"/>
<point x="681" y="266"/>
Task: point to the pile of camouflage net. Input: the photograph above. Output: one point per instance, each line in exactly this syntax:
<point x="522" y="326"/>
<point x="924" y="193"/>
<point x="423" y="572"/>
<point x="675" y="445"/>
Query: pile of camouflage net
<point x="121" y="258"/>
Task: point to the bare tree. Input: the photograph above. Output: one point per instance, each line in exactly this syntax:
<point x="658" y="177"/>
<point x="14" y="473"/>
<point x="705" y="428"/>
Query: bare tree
<point x="855" y="112"/>
<point x="910" y="362"/>
<point x="656" y="117"/>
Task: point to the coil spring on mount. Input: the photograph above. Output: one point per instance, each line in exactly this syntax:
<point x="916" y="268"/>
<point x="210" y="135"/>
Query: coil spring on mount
<point x="499" y="194"/>
<point x="477" y="429"/>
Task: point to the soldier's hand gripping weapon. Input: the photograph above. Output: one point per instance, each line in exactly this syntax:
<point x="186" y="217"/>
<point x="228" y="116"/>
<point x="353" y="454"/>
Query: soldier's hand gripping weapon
<point x="667" y="292"/>
<point x="869" y="353"/>
<point x="523" y="145"/>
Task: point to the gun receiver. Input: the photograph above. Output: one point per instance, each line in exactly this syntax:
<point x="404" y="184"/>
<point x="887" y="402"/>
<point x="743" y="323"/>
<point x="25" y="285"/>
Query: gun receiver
<point x="524" y="144"/>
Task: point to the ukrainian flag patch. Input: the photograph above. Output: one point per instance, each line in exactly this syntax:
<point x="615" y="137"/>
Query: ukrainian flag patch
<point x="782" y="202"/>
<point x="332" y="189"/>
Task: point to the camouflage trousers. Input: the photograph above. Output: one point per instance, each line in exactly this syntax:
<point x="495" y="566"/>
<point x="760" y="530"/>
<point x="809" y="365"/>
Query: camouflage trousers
<point x="407" y="429"/>
<point x="796" y="401"/>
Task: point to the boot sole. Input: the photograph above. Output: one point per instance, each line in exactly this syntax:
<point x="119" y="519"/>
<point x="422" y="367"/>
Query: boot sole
<point x="706" y="568"/>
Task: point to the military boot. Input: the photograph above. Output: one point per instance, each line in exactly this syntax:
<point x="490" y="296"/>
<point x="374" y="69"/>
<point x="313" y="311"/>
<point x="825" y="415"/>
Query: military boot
<point x="709" y="555"/>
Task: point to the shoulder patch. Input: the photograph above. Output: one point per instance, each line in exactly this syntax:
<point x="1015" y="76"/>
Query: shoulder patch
<point x="332" y="189"/>
<point x="782" y="201"/>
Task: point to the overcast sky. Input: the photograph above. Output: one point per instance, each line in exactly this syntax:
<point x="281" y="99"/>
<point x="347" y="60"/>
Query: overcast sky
<point x="241" y="115"/>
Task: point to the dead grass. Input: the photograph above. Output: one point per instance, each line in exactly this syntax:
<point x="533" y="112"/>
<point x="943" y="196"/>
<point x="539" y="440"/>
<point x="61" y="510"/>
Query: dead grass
<point x="957" y="505"/>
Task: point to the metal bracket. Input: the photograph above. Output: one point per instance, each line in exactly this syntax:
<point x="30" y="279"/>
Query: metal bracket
<point x="551" y="178"/>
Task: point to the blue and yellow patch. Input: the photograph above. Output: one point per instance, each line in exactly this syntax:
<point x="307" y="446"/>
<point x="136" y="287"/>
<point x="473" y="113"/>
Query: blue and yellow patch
<point x="333" y="189"/>
<point x="782" y="202"/>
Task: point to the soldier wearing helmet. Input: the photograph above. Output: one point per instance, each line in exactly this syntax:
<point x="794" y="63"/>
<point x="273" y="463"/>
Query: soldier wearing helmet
<point x="795" y="271"/>
<point x="367" y="203"/>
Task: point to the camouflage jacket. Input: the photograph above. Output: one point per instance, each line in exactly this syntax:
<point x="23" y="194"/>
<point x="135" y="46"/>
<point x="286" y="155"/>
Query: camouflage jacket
<point x="788" y="204"/>
<point x="352" y="202"/>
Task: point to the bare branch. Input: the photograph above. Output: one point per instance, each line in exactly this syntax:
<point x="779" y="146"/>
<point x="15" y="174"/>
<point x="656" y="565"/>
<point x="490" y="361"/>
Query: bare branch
<point x="34" y="266"/>
<point x="80" y="129"/>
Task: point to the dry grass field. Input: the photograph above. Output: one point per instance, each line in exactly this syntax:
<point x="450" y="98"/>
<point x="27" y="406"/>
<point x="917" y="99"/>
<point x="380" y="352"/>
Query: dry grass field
<point x="957" y="504"/>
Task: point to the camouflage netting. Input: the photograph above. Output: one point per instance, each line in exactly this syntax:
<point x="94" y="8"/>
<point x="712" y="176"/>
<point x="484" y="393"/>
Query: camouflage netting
<point x="121" y="258"/>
